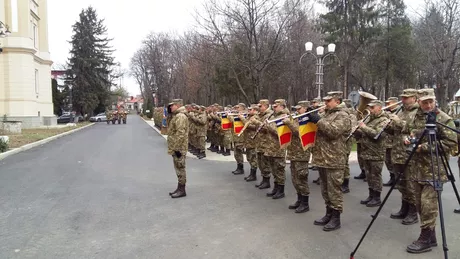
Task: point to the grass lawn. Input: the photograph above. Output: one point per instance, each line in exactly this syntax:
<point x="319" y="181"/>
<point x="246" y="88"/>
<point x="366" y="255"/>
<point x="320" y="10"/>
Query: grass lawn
<point x="28" y="136"/>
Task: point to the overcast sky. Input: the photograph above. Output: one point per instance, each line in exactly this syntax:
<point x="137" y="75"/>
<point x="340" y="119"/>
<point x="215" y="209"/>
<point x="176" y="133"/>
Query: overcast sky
<point x="128" y="23"/>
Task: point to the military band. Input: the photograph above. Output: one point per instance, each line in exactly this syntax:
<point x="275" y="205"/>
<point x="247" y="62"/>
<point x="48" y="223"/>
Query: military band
<point x="382" y="137"/>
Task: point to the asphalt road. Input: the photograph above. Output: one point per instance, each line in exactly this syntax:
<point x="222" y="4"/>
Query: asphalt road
<point x="103" y="193"/>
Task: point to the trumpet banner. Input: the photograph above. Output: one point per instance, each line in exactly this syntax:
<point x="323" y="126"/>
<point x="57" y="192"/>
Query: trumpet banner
<point x="284" y="134"/>
<point x="226" y="124"/>
<point x="237" y="125"/>
<point x="307" y="132"/>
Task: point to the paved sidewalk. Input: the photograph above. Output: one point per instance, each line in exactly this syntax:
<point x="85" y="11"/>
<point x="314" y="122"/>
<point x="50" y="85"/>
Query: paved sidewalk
<point x="217" y="157"/>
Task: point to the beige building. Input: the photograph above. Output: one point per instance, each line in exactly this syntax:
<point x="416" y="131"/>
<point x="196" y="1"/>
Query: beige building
<point x="25" y="65"/>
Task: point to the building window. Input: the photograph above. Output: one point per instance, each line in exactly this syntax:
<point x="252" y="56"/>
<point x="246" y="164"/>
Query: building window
<point x="36" y="82"/>
<point x="35" y="35"/>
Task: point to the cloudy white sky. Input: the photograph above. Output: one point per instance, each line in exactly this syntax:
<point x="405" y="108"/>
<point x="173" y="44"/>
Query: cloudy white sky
<point x="128" y="23"/>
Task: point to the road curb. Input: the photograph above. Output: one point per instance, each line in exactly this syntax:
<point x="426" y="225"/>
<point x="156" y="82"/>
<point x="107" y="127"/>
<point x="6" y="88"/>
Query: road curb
<point x="39" y="143"/>
<point x="217" y="157"/>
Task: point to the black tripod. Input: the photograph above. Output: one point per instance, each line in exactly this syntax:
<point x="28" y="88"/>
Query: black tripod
<point x="437" y="153"/>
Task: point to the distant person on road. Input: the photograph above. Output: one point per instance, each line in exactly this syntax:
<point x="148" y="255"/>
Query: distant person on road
<point x="178" y="143"/>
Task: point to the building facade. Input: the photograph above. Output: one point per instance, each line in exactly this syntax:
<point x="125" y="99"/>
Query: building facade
<point x="25" y="64"/>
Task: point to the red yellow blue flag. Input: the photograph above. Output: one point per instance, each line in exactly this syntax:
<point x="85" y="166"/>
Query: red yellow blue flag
<point x="237" y="125"/>
<point x="284" y="133"/>
<point x="307" y="132"/>
<point x="226" y="123"/>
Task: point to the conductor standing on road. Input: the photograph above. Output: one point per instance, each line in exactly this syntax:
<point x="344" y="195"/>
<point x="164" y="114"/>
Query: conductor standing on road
<point x="178" y="143"/>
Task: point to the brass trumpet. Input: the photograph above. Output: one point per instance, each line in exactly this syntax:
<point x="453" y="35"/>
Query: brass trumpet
<point x="296" y="116"/>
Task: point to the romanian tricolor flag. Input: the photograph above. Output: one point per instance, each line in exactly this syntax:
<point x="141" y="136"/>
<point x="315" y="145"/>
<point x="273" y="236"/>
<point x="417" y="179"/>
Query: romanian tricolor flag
<point x="226" y="124"/>
<point x="307" y="132"/>
<point x="237" y="125"/>
<point x="284" y="133"/>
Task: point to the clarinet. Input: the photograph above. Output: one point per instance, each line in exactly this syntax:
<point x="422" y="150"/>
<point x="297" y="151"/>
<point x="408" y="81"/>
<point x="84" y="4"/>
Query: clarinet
<point x="386" y="125"/>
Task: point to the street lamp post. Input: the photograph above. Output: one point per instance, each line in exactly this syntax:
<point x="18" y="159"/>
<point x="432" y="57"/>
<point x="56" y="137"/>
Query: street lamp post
<point x="320" y="56"/>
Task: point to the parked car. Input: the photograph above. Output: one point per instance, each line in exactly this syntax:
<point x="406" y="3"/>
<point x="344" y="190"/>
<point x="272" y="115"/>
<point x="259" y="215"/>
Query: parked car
<point x="100" y="117"/>
<point x="66" y="118"/>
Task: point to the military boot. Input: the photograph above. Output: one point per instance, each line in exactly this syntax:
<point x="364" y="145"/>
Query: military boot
<point x="211" y="147"/>
<point x="171" y="193"/>
<point x="361" y="176"/>
<point x="324" y="220"/>
<point x="227" y="152"/>
<point x="345" y="186"/>
<point x="334" y="223"/>
<point x="368" y="199"/>
<point x="411" y="217"/>
<point x="297" y="203"/>
<point x="189" y="147"/>
<point x="391" y="181"/>
<point x="239" y="169"/>
<point x="375" y="200"/>
<point x="317" y="181"/>
<point x="252" y="175"/>
<point x="180" y="192"/>
<point x="202" y="154"/>
<point x="279" y="192"/>
<point x="402" y="213"/>
<point x="457" y="210"/>
<point x="273" y="192"/>
<point x="433" y="241"/>
<point x="265" y="184"/>
<point x="422" y="244"/>
<point x="304" y="206"/>
<point x="220" y="150"/>
<point x="194" y="151"/>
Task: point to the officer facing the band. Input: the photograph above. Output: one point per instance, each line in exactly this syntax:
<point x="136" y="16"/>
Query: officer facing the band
<point x="425" y="194"/>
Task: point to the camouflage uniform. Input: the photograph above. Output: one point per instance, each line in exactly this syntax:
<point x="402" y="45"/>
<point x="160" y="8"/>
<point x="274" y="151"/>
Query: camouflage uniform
<point x="262" y="142"/>
<point x="329" y="154"/>
<point x="177" y="145"/>
<point x="199" y="120"/>
<point x="347" y="105"/>
<point x="373" y="154"/>
<point x="238" y="142"/>
<point x="276" y="155"/>
<point x="227" y="139"/>
<point x="250" y="144"/>
<point x="425" y="195"/>
<point x="408" y="211"/>
<point x="299" y="163"/>
<point x="214" y="147"/>
<point x="389" y="142"/>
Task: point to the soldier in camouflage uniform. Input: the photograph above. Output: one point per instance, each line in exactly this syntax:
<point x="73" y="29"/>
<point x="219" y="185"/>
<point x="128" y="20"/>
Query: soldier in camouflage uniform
<point x="425" y="195"/>
<point x="329" y="155"/>
<point x="239" y="143"/>
<point x="177" y="143"/>
<point x="389" y="141"/>
<point x="299" y="161"/>
<point x="199" y="119"/>
<point x="275" y="154"/>
<point x="408" y="211"/>
<point x="262" y="139"/>
<point x="218" y="129"/>
<point x="348" y="107"/>
<point x="373" y="151"/>
<point x="212" y="128"/>
<point x="250" y="144"/>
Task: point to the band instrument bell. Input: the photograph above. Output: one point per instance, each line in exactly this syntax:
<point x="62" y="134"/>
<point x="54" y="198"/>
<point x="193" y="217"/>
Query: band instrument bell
<point x="364" y="99"/>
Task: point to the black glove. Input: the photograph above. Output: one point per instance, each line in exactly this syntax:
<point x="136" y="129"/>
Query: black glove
<point x="314" y="117"/>
<point x="178" y="154"/>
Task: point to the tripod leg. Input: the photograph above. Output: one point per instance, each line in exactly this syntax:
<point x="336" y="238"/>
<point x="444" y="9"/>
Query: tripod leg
<point x="449" y="173"/>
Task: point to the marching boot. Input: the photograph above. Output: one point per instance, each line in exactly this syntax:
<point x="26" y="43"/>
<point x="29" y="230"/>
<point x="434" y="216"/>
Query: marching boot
<point x="273" y="192"/>
<point x="265" y="184"/>
<point x="189" y="147"/>
<point x="297" y="203"/>
<point x="180" y="192"/>
<point x="279" y="192"/>
<point x="375" y="202"/>
<point x="433" y="241"/>
<point x="202" y="154"/>
<point x="304" y="207"/>
<point x="368" y="199"/>
<point x="411" y="217"/>
<point x="239" y="169"/>
<point x="252" y="176"/>
<point x="215" y="148"/>
<point x="211" y="147"/>
<point x="422" y="244"/>
<point x="361" y="176"/>
<point x="334" y="223"/>
<point x="457" y="210"/>
<point x="391" y="181"/>
<point x="345" y="186"/>
<point x="171" y="193"/>
<point x="194" y="151"/>
<point x="220" y="150"/>
<point x="324" y="220"/>
<point x="316" y="181"/>
<point x="402" y="213"/>
<point x="227" y="152"/>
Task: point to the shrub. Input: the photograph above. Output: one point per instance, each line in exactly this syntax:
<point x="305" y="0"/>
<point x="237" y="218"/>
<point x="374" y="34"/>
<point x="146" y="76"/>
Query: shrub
<point x="3" y="146"/>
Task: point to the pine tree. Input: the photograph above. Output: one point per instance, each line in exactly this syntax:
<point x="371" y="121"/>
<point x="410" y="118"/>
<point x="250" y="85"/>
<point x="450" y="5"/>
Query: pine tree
<point x="90" y="70"/>
<point x="350" y="24"/>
